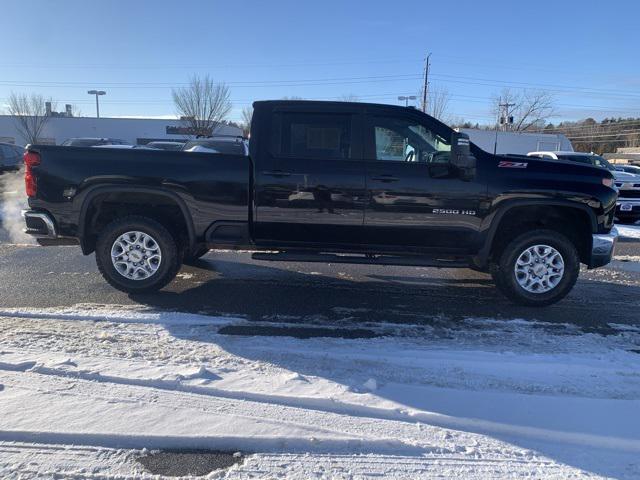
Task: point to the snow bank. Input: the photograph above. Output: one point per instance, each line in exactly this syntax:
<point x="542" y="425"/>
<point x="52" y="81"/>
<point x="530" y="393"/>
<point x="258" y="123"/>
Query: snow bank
<point x="629" y="231"/>
<point x="454" y="399"/>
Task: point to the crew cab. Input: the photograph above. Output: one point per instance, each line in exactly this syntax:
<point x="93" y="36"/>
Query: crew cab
<point x="333" y="182"/>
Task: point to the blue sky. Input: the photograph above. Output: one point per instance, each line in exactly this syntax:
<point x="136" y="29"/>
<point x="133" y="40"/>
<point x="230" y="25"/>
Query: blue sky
<point x="585" y="52"/>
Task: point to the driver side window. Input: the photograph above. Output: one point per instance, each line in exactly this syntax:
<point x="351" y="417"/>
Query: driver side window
<point x="404" y="140"/>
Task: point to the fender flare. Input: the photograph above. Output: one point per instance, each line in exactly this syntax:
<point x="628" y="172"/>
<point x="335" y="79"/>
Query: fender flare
<point x="494" y="219"/>
<point x="92" y="193"/>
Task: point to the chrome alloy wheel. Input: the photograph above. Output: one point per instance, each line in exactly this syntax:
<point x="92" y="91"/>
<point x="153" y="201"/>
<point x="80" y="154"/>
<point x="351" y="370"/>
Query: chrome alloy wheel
<point x="136" y="255"/>
<point x="539" y="269"/>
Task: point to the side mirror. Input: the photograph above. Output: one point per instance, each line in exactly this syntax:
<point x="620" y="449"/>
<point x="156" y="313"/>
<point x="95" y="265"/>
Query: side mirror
<point x="461" y="157"/>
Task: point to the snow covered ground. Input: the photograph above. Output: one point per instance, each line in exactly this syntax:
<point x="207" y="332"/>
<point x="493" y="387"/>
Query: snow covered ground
<point x="84" y="389"/>
<point x="629" y="231"/>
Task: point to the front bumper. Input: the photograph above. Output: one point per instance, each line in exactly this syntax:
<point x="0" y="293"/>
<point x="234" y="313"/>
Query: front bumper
<point x="602" y="248"/>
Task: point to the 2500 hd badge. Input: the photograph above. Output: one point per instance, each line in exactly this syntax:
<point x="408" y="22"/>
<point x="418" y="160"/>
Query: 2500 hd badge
<point x="449" y="211"/>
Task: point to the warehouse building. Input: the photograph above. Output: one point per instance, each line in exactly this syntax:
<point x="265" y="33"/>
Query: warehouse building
<point x="137" y="131"/>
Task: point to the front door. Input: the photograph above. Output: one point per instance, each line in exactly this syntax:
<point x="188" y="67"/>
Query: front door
<point x="416" y="200"/>
<point x="310" y="190"/>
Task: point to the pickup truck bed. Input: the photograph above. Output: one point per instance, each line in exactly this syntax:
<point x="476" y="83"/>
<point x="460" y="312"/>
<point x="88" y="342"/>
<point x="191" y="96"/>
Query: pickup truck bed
<point x="79" y="182"/>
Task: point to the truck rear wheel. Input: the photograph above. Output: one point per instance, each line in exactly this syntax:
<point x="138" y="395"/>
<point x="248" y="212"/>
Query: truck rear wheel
<point x="136" y="254"/>
<point x="537" y="268"/>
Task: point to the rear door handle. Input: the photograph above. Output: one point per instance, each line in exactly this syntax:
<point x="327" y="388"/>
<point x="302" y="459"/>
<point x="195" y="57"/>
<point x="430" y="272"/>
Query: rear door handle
<point x="385" y="178"/>
<point x="276" y="173"/>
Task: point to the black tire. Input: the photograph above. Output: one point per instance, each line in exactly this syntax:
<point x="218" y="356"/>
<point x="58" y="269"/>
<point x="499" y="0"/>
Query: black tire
<point x="169" y="264"/>
<point x="199" y="252"/>
<point x="505" y="278"/>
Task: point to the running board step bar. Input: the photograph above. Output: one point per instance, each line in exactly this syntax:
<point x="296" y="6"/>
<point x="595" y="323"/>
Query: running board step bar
<point x="453" y="262"/>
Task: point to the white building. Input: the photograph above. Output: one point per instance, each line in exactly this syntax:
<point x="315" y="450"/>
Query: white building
<point x="517" y="142"/>
<point x="131" y="130"/>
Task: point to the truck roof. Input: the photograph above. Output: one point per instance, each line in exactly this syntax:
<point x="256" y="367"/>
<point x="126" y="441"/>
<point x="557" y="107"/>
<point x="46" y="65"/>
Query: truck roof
<point x="330" y="106"/>
<point x="334" y="103"/>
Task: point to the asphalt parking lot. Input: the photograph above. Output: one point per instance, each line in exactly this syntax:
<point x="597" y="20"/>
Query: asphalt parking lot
<point x="306" y="293"/>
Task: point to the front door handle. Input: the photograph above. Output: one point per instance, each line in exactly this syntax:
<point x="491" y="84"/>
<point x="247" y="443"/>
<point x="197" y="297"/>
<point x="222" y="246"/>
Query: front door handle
<point x="385" y="178"/>
<point x="276" y="173"/>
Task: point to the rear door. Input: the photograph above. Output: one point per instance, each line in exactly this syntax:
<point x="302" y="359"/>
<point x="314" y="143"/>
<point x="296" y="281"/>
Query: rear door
<point x="309" y="180"/>
<point x="415" y="200"/>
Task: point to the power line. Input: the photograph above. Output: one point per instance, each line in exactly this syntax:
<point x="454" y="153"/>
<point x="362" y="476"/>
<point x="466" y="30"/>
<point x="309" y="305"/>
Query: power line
<point x="343" y="80"/>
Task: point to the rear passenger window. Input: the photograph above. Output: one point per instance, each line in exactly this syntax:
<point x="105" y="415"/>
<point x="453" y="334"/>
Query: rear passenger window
<point x="312" y="135"/>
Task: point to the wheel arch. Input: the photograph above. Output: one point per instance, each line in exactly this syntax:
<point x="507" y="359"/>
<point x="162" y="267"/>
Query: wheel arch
<point x="125" y="194"/>
<point x="541" y="214"/>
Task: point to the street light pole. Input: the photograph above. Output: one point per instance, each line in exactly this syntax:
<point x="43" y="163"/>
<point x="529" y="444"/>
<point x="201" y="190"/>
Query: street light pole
<point x="97" y="93"/>
<point x="406" y="99"/>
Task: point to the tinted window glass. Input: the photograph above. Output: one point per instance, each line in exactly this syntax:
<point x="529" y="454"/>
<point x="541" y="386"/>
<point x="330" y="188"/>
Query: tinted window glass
<point x="314" y="136"/>
<point x="405" y="140"/>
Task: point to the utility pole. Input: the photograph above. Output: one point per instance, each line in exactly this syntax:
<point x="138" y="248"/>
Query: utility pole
<point x="507" y="120"/>
<point x="426" y="85"/>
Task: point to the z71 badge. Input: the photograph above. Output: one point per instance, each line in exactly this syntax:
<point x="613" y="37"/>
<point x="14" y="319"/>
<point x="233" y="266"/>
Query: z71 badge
<point x="506" y="164"/>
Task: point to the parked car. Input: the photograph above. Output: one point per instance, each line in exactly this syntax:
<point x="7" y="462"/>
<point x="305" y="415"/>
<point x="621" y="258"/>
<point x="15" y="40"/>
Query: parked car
<point x="126" y="147"/>
<point x="201" y="149"/>
<point x="92" y="142"/>
<point x="231" y="145"/>
<point x="309" y="192"/>
<point x="172" y="146"/>
<point x="635" y="169"/>
<point x="628" y="184"/>
<point x="10" y="157"/>
<point x="628" y="204"/>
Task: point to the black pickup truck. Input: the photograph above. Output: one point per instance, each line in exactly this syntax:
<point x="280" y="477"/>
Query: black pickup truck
<point x="329" y="182"/>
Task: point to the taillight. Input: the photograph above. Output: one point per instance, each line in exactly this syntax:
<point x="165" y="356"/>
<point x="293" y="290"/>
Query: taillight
<point x="31" y="159"/>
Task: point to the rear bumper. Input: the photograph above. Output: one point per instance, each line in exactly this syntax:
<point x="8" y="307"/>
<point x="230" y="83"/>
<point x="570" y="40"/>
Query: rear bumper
<point x="42" y="227"/>
<point x="602" y="248"/>
<point x="39" y="224"/>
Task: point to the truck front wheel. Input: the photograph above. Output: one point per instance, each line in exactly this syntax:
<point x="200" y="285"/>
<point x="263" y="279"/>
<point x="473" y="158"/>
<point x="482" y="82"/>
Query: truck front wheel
<point x="136" y="254"/>
<point x="537" y="268"/>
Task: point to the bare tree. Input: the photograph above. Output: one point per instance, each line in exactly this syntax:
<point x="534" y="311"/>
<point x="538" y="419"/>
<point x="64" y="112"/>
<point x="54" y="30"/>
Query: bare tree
<point x="29" y="113"/>
<point x="203" y="104"/>
<point x="530" y="108"/>
<point x="438" y="99"/>
<point x="247" y="116"/>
